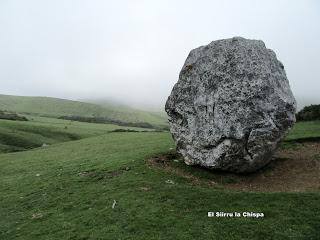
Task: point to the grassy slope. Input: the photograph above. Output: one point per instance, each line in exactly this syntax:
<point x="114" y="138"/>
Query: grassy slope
<point x="21" y="135"/>
<point x="309" y="129"/>
<point x="59" y="107"/>
<point x="79" y="180"/>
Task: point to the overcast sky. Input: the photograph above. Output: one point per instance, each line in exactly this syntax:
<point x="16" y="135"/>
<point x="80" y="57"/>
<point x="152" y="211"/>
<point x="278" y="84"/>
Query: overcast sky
<point x="132" y="51"/>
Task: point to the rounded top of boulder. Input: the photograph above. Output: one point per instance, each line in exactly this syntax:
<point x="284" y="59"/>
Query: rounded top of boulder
<point x="231" y="106"/>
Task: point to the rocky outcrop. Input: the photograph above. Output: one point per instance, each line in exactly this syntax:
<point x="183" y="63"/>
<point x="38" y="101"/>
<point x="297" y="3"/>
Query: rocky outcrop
<point x="231" y="106"/>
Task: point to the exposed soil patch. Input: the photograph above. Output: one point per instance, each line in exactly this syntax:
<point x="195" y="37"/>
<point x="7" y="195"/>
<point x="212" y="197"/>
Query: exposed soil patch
<point x="293" y="169"/>
<point x="164" y="162"/>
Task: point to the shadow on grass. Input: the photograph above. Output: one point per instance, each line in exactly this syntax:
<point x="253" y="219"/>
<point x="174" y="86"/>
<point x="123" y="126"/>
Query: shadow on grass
<point x="303" y="140"/>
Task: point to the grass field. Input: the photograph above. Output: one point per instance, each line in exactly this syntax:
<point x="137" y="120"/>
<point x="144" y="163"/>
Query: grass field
<point x="54" y="107"/>
<point x="23" y="135"/>
<point x="302" y="130"/>
<point x="66" y="191"/>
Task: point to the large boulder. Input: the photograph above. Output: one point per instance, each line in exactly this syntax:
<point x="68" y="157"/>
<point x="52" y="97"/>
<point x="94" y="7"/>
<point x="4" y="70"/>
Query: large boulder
<point x="231" y="106"/>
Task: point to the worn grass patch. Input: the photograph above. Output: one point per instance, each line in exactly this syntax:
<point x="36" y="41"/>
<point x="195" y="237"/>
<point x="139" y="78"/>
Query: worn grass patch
<point x="293" y="169"/>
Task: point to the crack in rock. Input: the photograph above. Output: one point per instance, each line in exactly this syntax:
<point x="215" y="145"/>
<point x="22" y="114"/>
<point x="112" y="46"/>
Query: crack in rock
<point x="231" y="106"/>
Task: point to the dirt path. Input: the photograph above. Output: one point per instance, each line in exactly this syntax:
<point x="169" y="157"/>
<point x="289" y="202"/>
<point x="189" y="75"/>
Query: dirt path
<point x="294" y="169"/>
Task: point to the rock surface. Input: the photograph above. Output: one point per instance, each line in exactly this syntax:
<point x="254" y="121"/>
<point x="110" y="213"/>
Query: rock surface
<point x="231" y="106"/>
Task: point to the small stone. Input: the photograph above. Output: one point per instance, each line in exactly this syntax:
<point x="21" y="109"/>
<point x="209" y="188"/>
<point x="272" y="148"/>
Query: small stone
<point x="37" y="215"/>
<point x="169" y="181"/>
<point x="114" y="204"/>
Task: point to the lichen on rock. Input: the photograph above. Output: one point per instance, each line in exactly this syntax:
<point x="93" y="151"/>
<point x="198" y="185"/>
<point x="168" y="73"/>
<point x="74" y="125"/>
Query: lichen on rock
<point x="231" y="106"/>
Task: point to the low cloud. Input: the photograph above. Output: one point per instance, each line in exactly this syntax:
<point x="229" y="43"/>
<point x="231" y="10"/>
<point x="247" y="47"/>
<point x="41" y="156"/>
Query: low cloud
<point x="132" y="51"/>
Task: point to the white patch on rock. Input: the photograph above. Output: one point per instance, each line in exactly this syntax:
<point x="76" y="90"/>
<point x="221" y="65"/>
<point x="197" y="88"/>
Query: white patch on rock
<point x="231" y="106"/>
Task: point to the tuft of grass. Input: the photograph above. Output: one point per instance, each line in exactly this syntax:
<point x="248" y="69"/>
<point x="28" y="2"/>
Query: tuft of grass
<point x="317" y="157"/>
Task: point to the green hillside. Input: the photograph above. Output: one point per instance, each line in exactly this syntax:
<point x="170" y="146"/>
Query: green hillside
<point x="67" y="190"/>
<point x="54" y="107"/>
<point x="39" y="131"/>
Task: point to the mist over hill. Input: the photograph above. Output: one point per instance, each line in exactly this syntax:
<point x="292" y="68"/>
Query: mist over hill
<point x="56" y="107"/>
<point x="124" y="103"/>
<point x="304" y="101"/>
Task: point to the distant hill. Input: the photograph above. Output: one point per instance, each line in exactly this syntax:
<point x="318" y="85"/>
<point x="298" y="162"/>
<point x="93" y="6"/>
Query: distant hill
<point x="55" y="107"/>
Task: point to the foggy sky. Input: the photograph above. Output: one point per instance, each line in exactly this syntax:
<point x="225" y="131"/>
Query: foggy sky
<point x="132" y="51"/>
